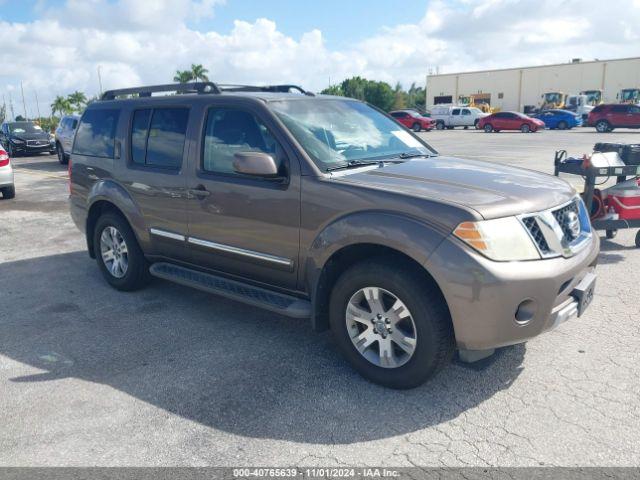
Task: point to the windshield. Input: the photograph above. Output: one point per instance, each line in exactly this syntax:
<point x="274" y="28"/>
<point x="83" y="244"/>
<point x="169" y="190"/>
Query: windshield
<point x="337" y="132"/>
<point x="24" y="127"/>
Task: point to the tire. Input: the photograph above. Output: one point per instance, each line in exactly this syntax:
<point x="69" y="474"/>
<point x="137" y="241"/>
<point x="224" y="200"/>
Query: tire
<point x="450" y="128"/>
<point x="611" y="234"/>
<point x="135" y="274"/>
<point x="638" y="239"/>
<point x="62" y="158"/>
<point x="488" y="128"/>
<point x="602" y="126"/>
<point x="8" y="192"/>
<point x="439" y="125"/>
<point x="562" y="125"/>
<point x="428" y="323"/>
<point x="416" y="127"/>
<point x="524" y="128"/>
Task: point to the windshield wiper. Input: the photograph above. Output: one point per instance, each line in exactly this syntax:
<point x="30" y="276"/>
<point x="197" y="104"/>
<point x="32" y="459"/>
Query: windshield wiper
<point x="413" y="155"/>
<point x="361" y="163"/>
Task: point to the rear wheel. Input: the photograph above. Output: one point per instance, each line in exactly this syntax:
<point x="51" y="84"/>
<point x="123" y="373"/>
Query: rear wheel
<point x="118" y="254"/>
<point x="62" y="158"/>
<point x="416" y="127"/>
<point x="390" y="324"/>
<point x="524" y="128"/>
<point x="488" y="128"/>
<point x="603" y="126"/>
<point x="8" y="192"/>
<point x="611" y="234"/>
<point x="439" y="125"/>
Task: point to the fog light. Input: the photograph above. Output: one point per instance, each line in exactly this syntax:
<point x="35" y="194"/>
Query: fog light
<point x="526" y="311"/>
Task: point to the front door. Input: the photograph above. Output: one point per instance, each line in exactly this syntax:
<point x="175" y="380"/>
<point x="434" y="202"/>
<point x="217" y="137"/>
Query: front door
<point x="239" y="224"/>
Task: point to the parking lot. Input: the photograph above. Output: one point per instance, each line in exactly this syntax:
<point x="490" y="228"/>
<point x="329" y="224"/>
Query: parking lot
<point x="173" y="376"/>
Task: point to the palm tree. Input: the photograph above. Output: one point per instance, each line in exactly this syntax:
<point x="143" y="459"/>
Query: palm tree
<point x="61" y="105"/>
<point x="77" y="100"/>
<point x="199" y="72"/>
<point x="184" y="76"/>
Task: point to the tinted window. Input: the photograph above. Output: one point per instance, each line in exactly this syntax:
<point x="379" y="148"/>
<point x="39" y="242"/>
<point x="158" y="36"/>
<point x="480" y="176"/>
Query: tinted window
<point x="634" y="109"/>
<point x="455" y="111"/>
<point x="158" y="135"/>
<point x="599" y="108"/>
<point x="139" y="130"/>
<point x="397" y="115"/>
<point x="465" y="111"/>
<point x="96" y="133"/>
<point x="74" y="124"/>
<point x="229" y="131"/>
<point x="619" y="109"/>
<point x="501" y="115"/>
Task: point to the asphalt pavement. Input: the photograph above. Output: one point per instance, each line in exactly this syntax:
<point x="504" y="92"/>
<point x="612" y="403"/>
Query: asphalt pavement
<point x="170" y="376"/>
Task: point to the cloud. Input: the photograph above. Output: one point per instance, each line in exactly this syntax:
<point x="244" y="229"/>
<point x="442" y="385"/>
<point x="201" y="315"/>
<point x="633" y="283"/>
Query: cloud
<point x="138" y="42"/>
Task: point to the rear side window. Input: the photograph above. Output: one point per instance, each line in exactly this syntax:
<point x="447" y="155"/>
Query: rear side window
<point x="158" y="136"/>
<point x="456" y="111"/>
<point x="619" y="108"/>
<point x="96" y="133"/>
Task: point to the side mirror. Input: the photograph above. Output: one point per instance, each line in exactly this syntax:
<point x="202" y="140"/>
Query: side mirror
<point x="257" y="164"/>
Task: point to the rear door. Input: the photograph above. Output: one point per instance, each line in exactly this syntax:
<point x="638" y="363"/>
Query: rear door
<point x="466" y="119"/>
<point x="401" y="117"/>
<point x="154" y="175"/>
<point x="455" y="119"/>
<point x="634" y="116"/>
<point x="239" y="224"/>
<point x="618" y="117"/>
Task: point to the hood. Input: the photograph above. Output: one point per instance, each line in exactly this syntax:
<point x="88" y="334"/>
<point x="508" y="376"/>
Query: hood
<point x="31" y="136"/>
<point x="491" y="189"/>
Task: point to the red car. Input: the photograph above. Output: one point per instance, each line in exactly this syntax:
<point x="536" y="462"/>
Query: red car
<point x="607" y="117"/>
<point x="510" y="121"/>
<point x="413" y="120"/>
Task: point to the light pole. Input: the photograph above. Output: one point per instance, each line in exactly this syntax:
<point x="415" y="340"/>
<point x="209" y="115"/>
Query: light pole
<point x="100" y="80"/>
<point x="24" y="105"/>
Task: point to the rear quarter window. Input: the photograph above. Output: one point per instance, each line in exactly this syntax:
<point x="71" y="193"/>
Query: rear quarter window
<point x="96" y="133"/>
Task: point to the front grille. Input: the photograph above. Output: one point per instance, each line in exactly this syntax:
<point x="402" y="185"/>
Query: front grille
<point x="536" y="234"/>
<point x="561" y="216"/>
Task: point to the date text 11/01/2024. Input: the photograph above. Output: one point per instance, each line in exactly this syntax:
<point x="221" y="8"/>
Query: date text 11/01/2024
<point x="316" y="472"/>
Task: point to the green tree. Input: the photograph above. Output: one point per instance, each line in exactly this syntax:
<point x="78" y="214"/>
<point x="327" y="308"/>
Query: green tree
<point x="20" y="118"/>
<point x="184" y="76"/>
<point x="333" y="90"/>
<point x="400" y="98"/>
<point x="77" y="100"/>
<point x="61" y="105"/>
<point x="379" y="94"/>
<point x="198" y="72"/>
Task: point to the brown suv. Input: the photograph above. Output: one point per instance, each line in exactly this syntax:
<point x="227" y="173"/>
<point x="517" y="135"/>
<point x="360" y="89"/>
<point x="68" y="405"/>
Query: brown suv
<point x="325" y="208"/>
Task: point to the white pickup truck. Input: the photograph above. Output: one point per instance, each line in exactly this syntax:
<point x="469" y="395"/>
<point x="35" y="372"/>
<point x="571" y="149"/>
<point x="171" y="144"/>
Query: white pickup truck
<point x="451" y="116"/>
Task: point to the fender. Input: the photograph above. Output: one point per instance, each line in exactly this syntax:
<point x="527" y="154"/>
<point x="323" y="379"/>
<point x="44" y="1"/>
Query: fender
<point x="110" y="191"/>
<point x="412" y="237"/>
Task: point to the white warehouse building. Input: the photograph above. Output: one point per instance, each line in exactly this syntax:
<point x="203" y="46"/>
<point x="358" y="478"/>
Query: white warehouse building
<point x="513" y="88"/>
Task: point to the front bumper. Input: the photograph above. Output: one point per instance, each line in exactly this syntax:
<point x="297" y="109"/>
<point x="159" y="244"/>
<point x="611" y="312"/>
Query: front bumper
<point x="483" y="296"/>
<point x="6" y="176"/>
<point x="27" y="149"/>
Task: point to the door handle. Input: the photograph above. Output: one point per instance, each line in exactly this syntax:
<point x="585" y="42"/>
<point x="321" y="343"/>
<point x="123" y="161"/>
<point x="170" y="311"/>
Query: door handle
<point x="200" y="191"/>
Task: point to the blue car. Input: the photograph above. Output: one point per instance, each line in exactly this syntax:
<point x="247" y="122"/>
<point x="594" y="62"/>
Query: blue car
<point x="560" y="119"/>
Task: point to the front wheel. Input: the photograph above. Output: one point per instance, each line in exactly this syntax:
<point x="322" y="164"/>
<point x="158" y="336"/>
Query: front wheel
<point x="439" y="126"/>
<point x="62" y="158"/>
<point x="390" y="324"/>
<point x="563" y="125"/>
<point x="416" y="127"/>
<point x="118" y="254"/>
<point x="525" y="128"/>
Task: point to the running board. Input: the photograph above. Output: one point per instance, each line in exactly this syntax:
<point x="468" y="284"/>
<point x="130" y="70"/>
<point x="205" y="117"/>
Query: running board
<point x="234" y="290"/>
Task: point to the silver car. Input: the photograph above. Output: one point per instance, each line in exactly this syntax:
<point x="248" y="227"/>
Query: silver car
<point x="7" y="187"/>
<point x="64" y="137"/>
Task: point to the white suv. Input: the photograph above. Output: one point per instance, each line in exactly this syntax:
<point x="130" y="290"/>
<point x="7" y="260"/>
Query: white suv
<point x="451" y="116"/>
<point x="64" y="136"/>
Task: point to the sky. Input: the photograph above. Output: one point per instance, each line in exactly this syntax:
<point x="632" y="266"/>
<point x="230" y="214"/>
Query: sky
<point x="57" y="46"/>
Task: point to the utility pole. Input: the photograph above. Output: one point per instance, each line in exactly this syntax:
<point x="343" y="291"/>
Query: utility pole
<point x="24" y="105"/>
<point x="37" y="104"/>
<point x="13" y="115"/>
<point x="100" y="80"/>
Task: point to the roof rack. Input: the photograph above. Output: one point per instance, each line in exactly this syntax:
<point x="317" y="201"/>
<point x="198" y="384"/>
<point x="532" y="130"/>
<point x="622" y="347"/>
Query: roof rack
<point x="200" y="88"/>
<point x="196" y="87"/>
<point x="284" y="88"/>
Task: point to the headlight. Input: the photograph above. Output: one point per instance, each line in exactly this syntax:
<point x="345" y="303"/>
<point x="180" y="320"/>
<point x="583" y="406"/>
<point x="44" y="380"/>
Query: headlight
<point x="502" y="239"/>
<point x="17" y="141"/>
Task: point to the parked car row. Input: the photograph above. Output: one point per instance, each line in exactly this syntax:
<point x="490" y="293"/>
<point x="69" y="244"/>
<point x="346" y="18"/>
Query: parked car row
<point x="25" y="138"/>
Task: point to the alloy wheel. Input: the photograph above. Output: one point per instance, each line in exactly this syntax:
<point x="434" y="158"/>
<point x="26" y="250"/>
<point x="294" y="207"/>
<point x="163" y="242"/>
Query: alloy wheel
<point x="114" y="251"/>
<point x="381" y="327"/>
